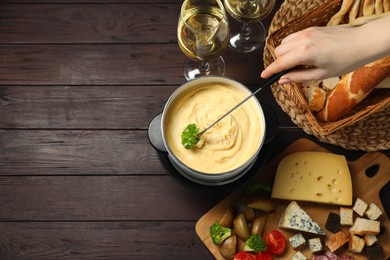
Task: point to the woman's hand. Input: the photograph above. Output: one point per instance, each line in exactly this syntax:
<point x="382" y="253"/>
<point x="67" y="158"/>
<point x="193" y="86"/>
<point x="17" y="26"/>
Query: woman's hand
<point x="330" y="51"/>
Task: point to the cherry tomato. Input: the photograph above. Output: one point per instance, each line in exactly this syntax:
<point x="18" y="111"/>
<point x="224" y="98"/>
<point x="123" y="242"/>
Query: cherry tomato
<point x="276" y="242"/>
<point x="244" y="256"/>
<point x="264" y="255"/>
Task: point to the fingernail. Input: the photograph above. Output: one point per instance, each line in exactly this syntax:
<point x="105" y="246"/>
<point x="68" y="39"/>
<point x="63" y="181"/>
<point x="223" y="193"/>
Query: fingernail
<point x="284" y="81"/>
<point x="262" y="74"/>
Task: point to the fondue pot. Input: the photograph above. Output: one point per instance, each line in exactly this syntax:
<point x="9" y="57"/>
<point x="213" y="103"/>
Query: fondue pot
<point x="210" y="181"/>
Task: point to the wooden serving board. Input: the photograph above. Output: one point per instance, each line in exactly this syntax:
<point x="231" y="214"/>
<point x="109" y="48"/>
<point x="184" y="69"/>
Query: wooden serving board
<point x="367" y="188"/>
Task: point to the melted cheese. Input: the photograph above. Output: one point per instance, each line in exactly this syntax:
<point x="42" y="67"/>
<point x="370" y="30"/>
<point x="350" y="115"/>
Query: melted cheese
<point x="228" y="144"/>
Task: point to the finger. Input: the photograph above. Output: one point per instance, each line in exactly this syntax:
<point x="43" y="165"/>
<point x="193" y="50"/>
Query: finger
<point x="284" y="62"/>
<point x="273" y="68"/>
<point x="302" y="75"/>
<point x="288" y="56"/>
<point x="286" y="47"/>
<point x="290" y="37"/>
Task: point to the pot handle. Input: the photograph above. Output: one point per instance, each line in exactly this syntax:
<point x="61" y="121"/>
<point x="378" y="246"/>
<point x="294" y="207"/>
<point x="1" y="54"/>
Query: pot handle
<point x="271" y="122"/>
<point x="155" y="134"/>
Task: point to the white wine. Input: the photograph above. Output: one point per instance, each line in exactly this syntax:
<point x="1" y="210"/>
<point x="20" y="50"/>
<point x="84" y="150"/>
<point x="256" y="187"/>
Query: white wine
<point x="249" y="11"/>
<point x="203" y="32"/>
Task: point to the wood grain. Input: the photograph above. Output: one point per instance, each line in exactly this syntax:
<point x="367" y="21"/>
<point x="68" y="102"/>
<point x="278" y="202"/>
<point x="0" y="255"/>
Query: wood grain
<point x="86" y="65"/>
<point x="93" y="107"/>
<point x="366" y="188"/>
<point x="153" y="64"/>
<point x="89" y="23"/>
<point x="79" y="83"/>
<point x="91" y="1"/>
<point x="77" y="153"/>
<point x="92" y="240"/>
<point x="95" y="152"/>
<point x="96" y="198"/>
<point x="121" y="22"/>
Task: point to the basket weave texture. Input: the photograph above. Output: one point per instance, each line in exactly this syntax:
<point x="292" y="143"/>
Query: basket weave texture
<point x="365" y="128"/>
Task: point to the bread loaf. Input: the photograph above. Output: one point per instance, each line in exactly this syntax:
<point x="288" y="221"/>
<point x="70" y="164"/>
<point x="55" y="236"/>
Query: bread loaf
<point x="333" y="98"/>
<point x="339" y="16"/>
<point x="386" y="5"/>
<point x="379" y="6"/>
<point x="368" y="7"/>
<point x="315" y="95"/>
<point x="353" y="13"/>
<point x="353" y="88"/>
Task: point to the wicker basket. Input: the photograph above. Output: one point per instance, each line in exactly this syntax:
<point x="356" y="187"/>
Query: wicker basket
<point x="367" y="127"/>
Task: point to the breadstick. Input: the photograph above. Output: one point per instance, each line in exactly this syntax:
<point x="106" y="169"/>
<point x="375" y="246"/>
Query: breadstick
<point x="368" y="7"/>
<point x="339" y="16"/>
<point x="378" y="6"/>
<point x="386" y="5"/>
<point x="353" y="14"/>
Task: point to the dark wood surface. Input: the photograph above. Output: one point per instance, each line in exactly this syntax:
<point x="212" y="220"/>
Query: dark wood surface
<point x="79" y="83"/>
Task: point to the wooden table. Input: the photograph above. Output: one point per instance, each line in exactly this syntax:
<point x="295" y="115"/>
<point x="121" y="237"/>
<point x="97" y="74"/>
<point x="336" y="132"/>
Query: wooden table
<point x="79" y="84"/>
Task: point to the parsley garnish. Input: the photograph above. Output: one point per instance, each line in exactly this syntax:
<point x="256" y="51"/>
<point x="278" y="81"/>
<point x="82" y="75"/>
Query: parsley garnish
<point x="189" y="136"/>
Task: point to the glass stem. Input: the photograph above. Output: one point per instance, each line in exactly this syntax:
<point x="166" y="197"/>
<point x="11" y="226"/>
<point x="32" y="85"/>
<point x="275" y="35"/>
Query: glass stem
<point x="205" y="67"/>
<point x="245" y="31"/>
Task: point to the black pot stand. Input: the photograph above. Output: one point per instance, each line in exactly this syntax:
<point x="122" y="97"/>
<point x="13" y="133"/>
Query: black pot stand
<point x="271" y="130"/>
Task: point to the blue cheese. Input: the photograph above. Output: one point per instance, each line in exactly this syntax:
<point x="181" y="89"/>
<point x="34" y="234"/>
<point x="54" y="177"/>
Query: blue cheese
<point x="297" y="240"/>
<point x="315" y="245"/>
<point x="295" y="218"/>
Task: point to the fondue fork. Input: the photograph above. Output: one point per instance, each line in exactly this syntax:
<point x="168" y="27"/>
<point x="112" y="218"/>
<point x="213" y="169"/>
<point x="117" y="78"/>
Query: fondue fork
<point x="267" y="83"/>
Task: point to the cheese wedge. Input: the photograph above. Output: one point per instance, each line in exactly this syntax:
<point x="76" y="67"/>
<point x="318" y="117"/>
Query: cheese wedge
<point x="295" y="218"/>
<point x="313" y="176"/>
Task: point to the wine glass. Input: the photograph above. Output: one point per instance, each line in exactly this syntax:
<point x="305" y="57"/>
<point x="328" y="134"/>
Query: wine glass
<point x="251" y="35"/>
<point x="203" y="35"/>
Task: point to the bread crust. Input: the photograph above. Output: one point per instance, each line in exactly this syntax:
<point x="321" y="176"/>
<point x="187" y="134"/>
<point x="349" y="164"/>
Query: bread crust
<point x="339" y="16"/>
<point x="353" y="88"/>
<point x="369" y="7"/>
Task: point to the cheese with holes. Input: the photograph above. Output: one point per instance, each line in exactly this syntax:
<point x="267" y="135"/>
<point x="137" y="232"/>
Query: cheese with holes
<point x="313" y="176"/>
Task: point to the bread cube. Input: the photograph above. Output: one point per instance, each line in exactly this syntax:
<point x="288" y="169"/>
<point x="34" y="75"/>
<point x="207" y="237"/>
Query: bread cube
<point x="360" y="206"/>
<point x="346" y="216"/>
<point x="370" y="239"/>
<point x="355" y="244"/>
<point x="373" y="212"/>
<point x="337" y="240"/>
<point x="364" y="226"/>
